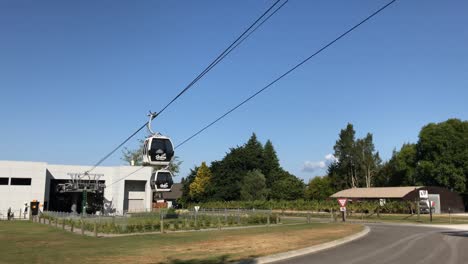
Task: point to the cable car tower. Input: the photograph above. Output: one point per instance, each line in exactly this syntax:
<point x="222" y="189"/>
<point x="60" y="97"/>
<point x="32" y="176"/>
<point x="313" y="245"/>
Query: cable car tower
<point x="158" y="152"/>
<point x="82" y="183"/>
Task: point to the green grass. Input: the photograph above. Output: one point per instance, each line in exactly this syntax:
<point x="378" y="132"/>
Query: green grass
<point x="26" y="242"/>
<point x="373" y="217"/>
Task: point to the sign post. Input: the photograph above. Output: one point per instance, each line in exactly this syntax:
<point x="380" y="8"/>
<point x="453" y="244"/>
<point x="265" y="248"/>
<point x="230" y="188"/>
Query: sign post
<point x="423" y="194"/>
<point x="196" y="207"/>
<point x="342" y="203"/>
<point x="431" y="205"/>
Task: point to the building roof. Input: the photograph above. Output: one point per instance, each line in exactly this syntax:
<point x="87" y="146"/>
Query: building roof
<point x="375" y="192"/>
<point x="175" y="193"/>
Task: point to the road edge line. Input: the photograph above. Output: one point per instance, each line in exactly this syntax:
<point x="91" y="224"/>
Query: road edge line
<point x="312" y="249"/>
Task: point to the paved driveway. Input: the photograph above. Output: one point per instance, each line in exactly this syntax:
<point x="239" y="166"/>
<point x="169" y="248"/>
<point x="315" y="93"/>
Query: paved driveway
<point x="397" y="244"/>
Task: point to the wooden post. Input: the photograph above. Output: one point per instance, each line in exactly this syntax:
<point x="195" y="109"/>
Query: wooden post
<point x="418" y="208"/>
<point x="72" y="226"/>
<point x="95" y="229"/>
<point x="162" y="223"/>
<point x="268" y="219"/>
<point x="308" y="218"/>
<point x="82" y="228"/>
<point x="63" y="224"/>
<point x="56" y="222"/>
<point x="450" y="215"/>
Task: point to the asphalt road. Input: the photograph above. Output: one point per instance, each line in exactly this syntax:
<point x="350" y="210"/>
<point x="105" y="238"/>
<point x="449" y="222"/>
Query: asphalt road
<point x="396" y="244"/>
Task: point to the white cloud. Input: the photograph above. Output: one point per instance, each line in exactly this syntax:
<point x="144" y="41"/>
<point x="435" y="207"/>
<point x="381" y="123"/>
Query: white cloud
<point x="313" y="166"/>
<point x="329" y="159"/>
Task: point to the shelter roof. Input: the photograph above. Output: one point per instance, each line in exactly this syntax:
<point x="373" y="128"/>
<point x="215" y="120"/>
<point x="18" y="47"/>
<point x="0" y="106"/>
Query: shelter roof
<point x="376" y="192"/>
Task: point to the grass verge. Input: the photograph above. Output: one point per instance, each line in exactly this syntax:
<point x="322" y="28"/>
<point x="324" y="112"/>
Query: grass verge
<point x="25" y="242"/>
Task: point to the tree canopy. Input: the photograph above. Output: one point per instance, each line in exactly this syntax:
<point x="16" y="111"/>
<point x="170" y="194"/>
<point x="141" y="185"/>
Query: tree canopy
<point x="250" y="171"/>
<point x="439" y="158"/>
<point x="357" y="161"/>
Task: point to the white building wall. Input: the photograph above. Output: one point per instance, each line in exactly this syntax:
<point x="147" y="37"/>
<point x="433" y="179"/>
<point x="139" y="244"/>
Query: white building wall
<point x="42" y="173"/>
<point x="14" y="196"/>
<point x="127" y="173"/>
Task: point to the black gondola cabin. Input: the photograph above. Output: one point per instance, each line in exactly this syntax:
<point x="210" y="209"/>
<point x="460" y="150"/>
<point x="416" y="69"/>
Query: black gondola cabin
<point x="161" y="181"/>
<point x="157" y="150"/>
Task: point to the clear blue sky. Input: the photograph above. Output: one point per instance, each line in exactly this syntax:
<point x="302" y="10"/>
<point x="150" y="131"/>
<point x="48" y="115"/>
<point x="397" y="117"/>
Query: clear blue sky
<point x="77" y="78"/>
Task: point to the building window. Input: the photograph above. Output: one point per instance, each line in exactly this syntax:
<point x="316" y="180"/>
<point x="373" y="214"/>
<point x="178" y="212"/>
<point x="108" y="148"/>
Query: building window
<point x="3" y="181"/>
<point x="20" y="181"/>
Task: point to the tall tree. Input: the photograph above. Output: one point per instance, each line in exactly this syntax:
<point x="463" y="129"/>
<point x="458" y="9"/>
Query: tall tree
<point x="253" y="151"/>
<point x="271" y="164"/>
<point x="368" y="159"/>
<point x="186" y="185"/>
<point x="345" y="152"/>
<point x="199" y="185"/>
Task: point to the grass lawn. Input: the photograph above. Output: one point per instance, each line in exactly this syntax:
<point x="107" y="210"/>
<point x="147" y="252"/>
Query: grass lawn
<point x="26" y="242"/>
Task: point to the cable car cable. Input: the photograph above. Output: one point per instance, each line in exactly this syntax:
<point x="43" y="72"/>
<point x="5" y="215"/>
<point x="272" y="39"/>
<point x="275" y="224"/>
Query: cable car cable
<point x="222" y="55"/>
<point x="228" y="50"/>
<point x="287" y="72"/>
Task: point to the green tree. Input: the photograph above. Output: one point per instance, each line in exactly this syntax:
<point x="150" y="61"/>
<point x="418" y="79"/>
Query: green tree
<point x="442" y="155"/>
<point x="319" y="188"/>
<point x="288" y="187"/>
<point x="253" y="186"/>
<point x="133" y="155"/>
<point x="368" y="159"/>
<point x="197" y="189"/>
<point x="345" y="169"/>
<point x="357" y="163"/>
<point x="271" y="165"/>
<point x="253" y="153"/>
<point x="400" y="170"/>
<point x="186" y="185"/>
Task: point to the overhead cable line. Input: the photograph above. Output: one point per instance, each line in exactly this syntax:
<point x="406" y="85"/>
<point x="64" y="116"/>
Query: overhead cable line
<point x="287" y="72"/>
<point x="218" y="59"/>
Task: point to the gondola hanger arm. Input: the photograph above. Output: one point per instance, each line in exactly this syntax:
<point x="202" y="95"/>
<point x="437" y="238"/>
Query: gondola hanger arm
<point x="151" y="117"/>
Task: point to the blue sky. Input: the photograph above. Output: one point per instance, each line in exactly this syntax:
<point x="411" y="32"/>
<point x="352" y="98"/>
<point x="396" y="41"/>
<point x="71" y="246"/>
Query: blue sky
<point x="77" y="78"/>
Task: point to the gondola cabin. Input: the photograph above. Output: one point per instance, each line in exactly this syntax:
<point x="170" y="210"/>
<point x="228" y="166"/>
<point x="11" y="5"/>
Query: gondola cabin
<point x="161" y="181"/>
<point x="157" y="150"/>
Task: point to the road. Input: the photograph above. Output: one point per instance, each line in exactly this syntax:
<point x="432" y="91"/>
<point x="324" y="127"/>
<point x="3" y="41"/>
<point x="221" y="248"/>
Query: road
<point x="396" y="244"/>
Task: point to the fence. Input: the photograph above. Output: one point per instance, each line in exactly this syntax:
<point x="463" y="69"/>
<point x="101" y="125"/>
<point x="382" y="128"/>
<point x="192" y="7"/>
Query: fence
<point x="161" y="220"/>
<point x="14" y="215"/>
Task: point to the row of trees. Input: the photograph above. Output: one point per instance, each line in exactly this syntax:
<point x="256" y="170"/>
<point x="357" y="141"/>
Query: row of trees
<point x="439" y="158"/>
<point x="248" y="172"/>
<point x="252" y="171"/>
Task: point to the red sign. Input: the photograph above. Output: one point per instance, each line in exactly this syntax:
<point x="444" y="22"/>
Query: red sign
<point x="342" y="202"/>
<point x="432" y="204"/>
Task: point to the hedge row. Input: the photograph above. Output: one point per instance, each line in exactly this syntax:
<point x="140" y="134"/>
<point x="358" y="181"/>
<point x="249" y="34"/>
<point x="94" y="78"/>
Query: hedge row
<point x="153" y="224"/>
<point x="315" y="206"/>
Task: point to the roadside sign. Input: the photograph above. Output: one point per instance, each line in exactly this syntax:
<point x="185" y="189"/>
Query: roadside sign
<point x="423" y="194"/>
<point x="342" y="202"/>
<point x="197" y="207"/>
<point x="432" y="203"/>
<point x="342" y="209"/>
